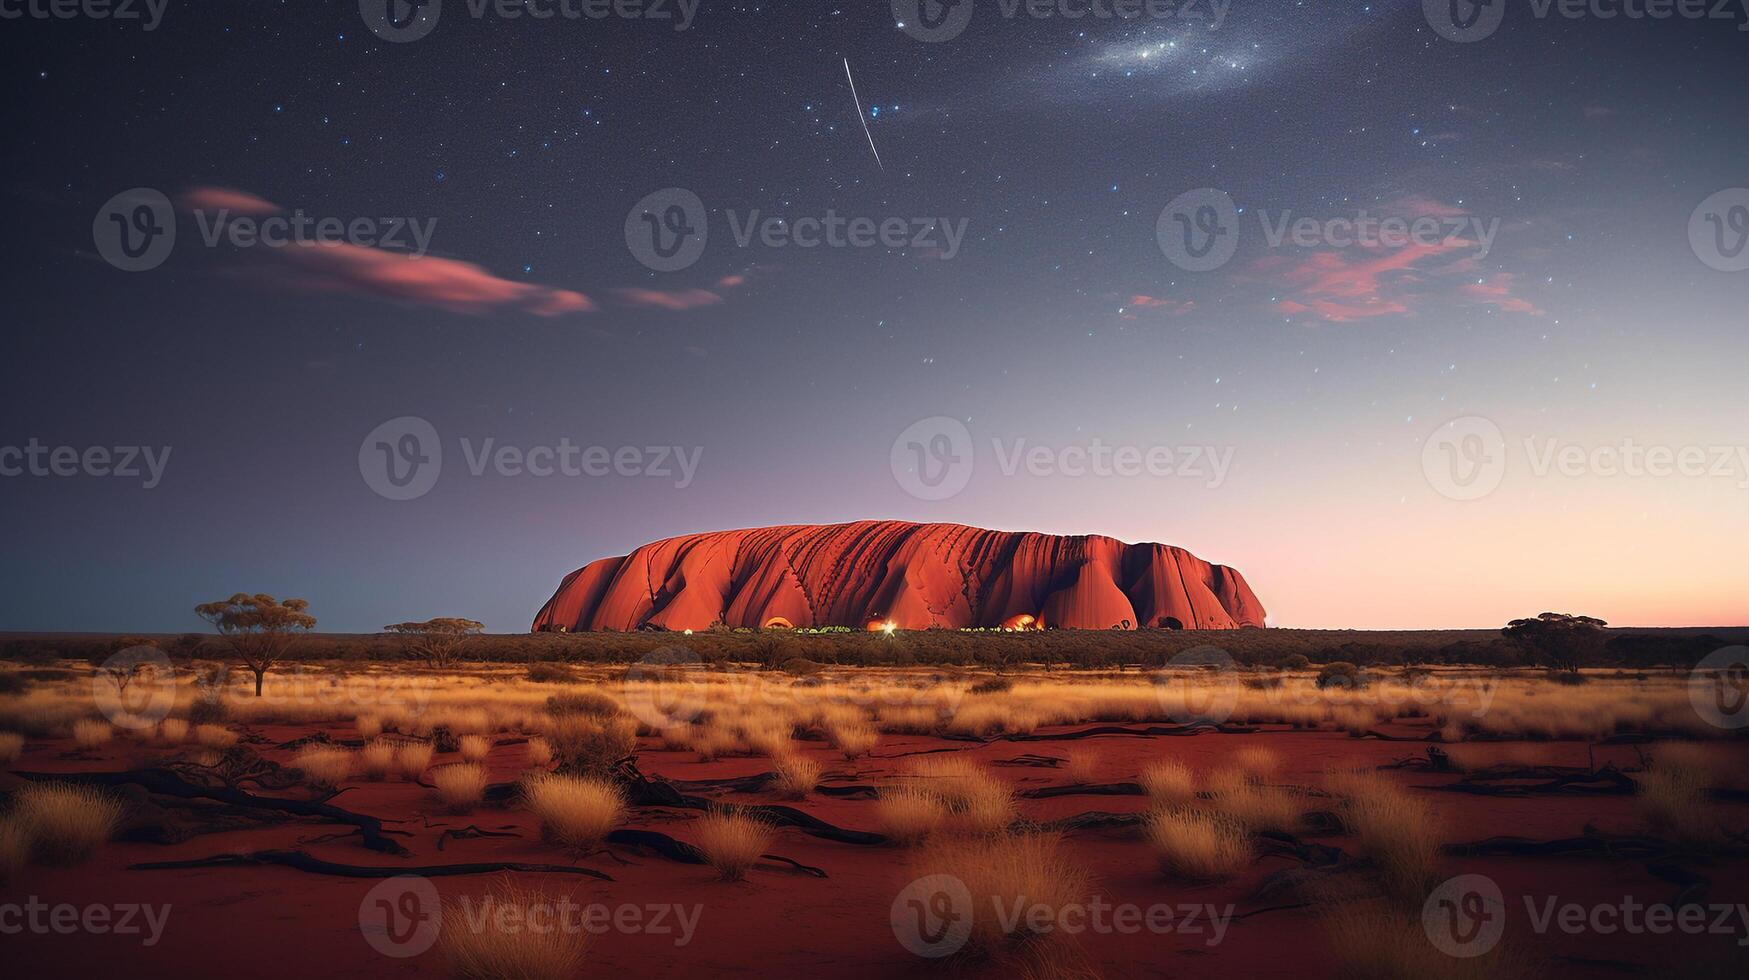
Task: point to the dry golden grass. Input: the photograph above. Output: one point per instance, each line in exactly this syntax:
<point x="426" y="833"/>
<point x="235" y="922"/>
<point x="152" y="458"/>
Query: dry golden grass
<point x="491" y="953"/>
<point x="65" y="822"/>
<point x="909" y="814"/>
<point x="797" y="775"/>
<point x="1672" y="800"/>
<point x="475" y="748"/>
<point x="369" y="726"/>
<point x="977" y="800"/>
<point x="14" y="849"/>
<point x="731" y="842"/>
<point x="89" y="733"/>
<point x="377" y="759"/>
<point x="412" y="759"/>
<point x="854" y="741"/>
<point x="540" y="752"/>
<point x="325" y="767"/>
<point x="460" y="785"/>
<point x="1081" y="768"/>
<point x="215" y="736"/>
<point x="1705" y="761"/>
<point x="1168" y="783"/>
<point x="574" y="811"/>
<point x="1256" y="808"/>
<point x="173" y="731"/>
<point x="587" y="745"/>
<point x="1369" y="943"/>
<point x="1396" y="831"/>
<point x="11" y="747"/>
<point x="1029" y="869"/>
<point x="1196" y="845"/>
<point x="1259" y="764"/>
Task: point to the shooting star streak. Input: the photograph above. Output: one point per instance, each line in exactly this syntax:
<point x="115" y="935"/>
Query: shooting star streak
<point x="862" y="118"/>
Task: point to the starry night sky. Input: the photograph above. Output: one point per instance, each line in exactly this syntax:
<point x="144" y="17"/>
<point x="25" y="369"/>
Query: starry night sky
<point x="1058" y="321"/>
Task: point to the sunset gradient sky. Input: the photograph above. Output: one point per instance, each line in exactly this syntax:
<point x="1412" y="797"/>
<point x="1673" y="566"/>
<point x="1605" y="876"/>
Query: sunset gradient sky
<point x="1585" y="146"/>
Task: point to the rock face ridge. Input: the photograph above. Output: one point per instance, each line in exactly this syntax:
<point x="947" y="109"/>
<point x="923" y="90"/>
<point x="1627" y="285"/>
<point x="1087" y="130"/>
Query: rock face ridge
<point x="914" y="576"/>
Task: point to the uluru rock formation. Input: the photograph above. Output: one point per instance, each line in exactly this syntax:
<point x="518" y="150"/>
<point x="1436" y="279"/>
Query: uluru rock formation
<point x="913" y="576"/>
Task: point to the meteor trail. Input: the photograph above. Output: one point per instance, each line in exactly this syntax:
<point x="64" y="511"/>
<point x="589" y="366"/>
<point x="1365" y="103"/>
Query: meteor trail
<point x="863" y="119"/>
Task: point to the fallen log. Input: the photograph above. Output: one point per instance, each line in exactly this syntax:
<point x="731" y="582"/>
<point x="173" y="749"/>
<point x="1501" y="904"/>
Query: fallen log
<point x="305" y="862"/>
<point x="1089" y="789"/>
<point x="681" y="851"/>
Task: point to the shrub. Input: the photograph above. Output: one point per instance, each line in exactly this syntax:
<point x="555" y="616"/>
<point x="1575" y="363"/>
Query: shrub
<point x="574" y="811"/>
<point x="65" y="822"/>
<point x="377" y="759"/>
<point x="487" y="952"/>
<point x="173" y="731"/>
<point x="1028" y="870"/>
<point x="909" y="814"/>
<point x="327" y="767"/>
<point x="1258" y="808"/>
<point x="14" y="849"/>
<point x="1341" y="674"/>
<point x="1397" y="833"/>
<point x="590" y="704"/>
<point x="1672" y="800"/>
<point x="731" y="842"/>
<point x="991" y="685"/>
<point x="551" y="674"/>
<point x="854" y="740"/>
<point x="801" y="667"/>
<point x="797" y="775"/>
<point x="209" y="710"/>
<point x="1197" y="845"/>
<point x="475" y="748"/>
<point x="11" y="747"/>
<point x="89" y="733"/>
<point x="587" y="746"/>
<point x="540" y="752"/>
<point x="461" y="785"/>
<point x="1168" y="783"/>
<point x="412" y="758"/>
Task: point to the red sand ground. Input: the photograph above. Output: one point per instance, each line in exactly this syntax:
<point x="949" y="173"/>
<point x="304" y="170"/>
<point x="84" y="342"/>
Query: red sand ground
<point x="279" y="922"/>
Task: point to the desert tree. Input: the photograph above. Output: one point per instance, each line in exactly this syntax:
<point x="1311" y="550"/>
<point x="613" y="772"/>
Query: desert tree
<point x="436" y="640"/>
<point x="1560" y="640"/>
<point x="259" y="628"/>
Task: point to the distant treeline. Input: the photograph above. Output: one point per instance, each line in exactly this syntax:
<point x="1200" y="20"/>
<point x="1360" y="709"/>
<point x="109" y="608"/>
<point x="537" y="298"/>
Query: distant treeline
<point x="1631" y="648"/>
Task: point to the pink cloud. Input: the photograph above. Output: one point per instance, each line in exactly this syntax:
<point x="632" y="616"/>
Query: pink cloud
<point x="1496" y="291"/>
<point x="1171" y="307"/>
<point x="448" y="284"/>
<point x="226" y="199"/>
<point x="730" y="282"/>
<point x="663" y="299"/>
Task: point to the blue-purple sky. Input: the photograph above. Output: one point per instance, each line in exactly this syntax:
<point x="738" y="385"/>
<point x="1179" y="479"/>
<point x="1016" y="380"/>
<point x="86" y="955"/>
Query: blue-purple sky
<point x="1592" y="323"/>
